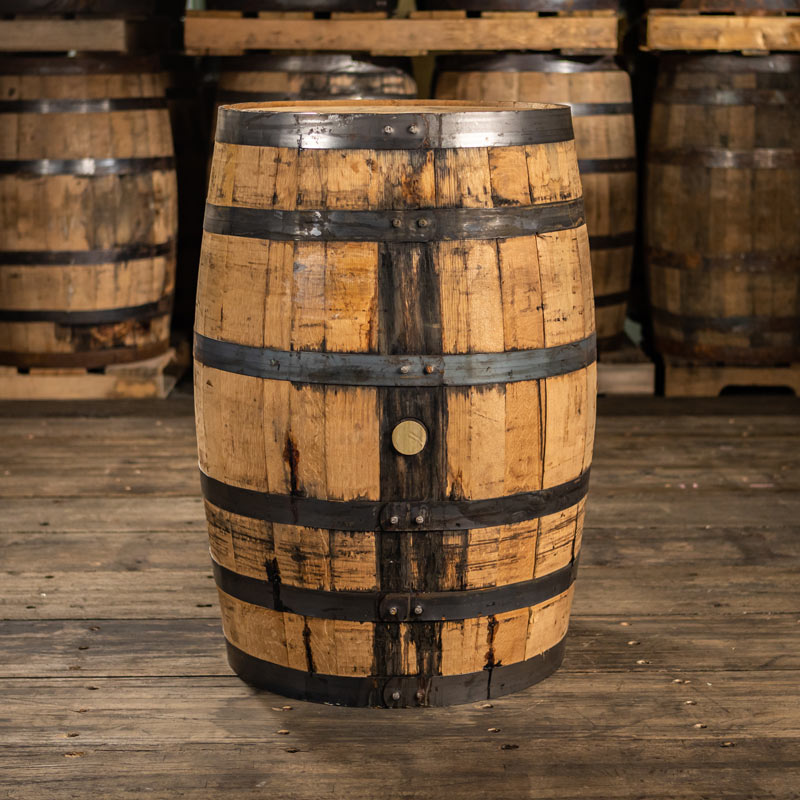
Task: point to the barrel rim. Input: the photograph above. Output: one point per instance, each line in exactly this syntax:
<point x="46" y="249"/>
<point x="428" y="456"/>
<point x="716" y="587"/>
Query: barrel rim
<point x="338" y="63"/>
<point x="400" y="125"/>
<point x="728" y="62"/>
<point x="79" y="65"/>
<point x="527" y="62"/>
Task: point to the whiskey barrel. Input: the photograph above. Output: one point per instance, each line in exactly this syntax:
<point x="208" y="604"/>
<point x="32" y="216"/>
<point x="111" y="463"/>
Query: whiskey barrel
<point x="395" y="388"/>
<point x="88" y="198"/>
<point x="723" y="200"/>
<point x="264" y="78"/>
<point x="599" y="92"/>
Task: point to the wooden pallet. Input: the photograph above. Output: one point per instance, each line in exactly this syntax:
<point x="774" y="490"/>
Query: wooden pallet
<point x="48" y="35"/>
<point x="679" y="29"/>
<point x="154" y="377"/>
<point x="230" y="33"/>
<point x="687" y="380"/>
<point x="626" y="370"/>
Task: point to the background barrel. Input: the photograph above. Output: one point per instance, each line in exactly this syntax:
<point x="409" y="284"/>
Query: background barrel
<point x="600" y="95"/>
<point x="723" y="201"/>
<point x="257" y="78"/>
<point x="88" y="199"/>
<point x="395" y="388"/>
<point x="303" y="5"/>
<point x="518" y="5"/>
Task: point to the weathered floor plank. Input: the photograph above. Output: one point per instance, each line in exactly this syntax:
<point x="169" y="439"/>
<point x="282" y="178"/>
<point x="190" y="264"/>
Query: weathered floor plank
<point x="114" y="681"/>
<point x="194" y="647"/>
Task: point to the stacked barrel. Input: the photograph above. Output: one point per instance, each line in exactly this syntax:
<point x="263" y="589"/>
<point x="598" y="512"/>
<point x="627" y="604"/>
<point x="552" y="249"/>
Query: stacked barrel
<point x="723" y="196"/>
<point x="89" y="204"/>
<point x="598" y="90"/>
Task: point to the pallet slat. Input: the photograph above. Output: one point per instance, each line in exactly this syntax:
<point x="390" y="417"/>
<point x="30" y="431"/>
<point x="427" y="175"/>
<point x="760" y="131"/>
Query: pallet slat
<point x="722" y="32"/>
<point x="206" y="35"/>
<point x="154" y="377"/>
<point x="685" y="380"/>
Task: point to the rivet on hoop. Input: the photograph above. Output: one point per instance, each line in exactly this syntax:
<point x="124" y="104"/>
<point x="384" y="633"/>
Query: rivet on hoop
<point x="422" y="223"/>
<point x="420" y="695"/>
<point x="396" y="223"/>
<point x="419" y="520"/>
<point x="413" y="129"/>
<point x="404" y="369"/>
<point x="428" y="369"/>
<point x="418" y="610"/>
<point x="394" y="520"/>
<point x="393" y="611"/>
<point x="388" y="129"/>
<point x="395" y="695"/>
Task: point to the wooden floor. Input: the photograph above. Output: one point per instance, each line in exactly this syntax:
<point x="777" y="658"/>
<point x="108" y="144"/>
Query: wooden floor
<point x="682" y="675"/>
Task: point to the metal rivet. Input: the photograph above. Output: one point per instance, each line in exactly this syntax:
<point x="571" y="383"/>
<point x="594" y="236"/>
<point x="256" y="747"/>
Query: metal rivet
<point x="404" y="369"/>
<point x="388" y="129"/>
<point x="428" y="369"/>
<point x="395" y="695"/>
<point x="420" y="695"/>
<point x="422" y="223"/>
<point x="419" y="519"/>
<point x="394" y="520"/>
<point x="413" y="128"/>
<point x="393" y="611"/>
<point x="396" y="223"/>
<point x="417" y="610"/>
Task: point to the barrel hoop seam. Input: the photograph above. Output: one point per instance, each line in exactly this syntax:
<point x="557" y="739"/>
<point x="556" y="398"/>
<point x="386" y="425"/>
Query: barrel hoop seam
<point x="69" y="258"/>
<point x="399" y="225"/>
<point x="159" y="308"/>
<point x="375" y="606"/>
<point x="369" y="369"/>
<point x="87" y="167"/>
<point x="375" y="515"/>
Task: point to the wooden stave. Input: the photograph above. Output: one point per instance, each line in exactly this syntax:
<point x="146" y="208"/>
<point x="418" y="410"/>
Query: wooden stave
<point x="237" y="529"/>
<point x="121" y="333"/>
<point x="519" y="5"/>
<point x="612" y="248"/>
<point x="691" y="319"/>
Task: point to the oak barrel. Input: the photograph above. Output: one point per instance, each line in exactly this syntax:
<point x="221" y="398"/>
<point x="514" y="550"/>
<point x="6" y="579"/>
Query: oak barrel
<point x="723" y="201"/>
<point x="264" y="78"/>
<point x="395" y="390"/>
<point x="518" y="5"/>
<point x="88" y="199"/>
<point x="599" y="92"/>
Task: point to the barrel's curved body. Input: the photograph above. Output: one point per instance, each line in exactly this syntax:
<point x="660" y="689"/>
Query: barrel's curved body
<point x="723" y="200"/>
<point x="395" y="388"/>
<point x="89" y="203"/>
<point x="602" y="109"/>
<point x="257" y="78"/>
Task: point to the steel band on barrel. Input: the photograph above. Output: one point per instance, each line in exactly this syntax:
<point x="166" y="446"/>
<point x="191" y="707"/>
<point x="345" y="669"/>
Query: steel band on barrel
<point x="368" y="369"/>
<point x="612" y="240"/>
<point x="93" y="317"/>
<point x="368" y="606"/>
<point x="724" y="158"/>
<point x="69" y="258"/>
<point x="460" y="128"/>
<point x="526" y="62"/>
<point x="59" y="106"/>
<point x="606" y="165"/>
<point x="426" y="225"/>
<point x="372" y="515"/>
<point x="737" y="324"/>
<point x="326" y="64"/>
<point x="614" y="299"/>
<point x="395" y="692"/>
<point x="755" y="261"/>
<point x="728" y="97"/>
<point x="85" y="166"/>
